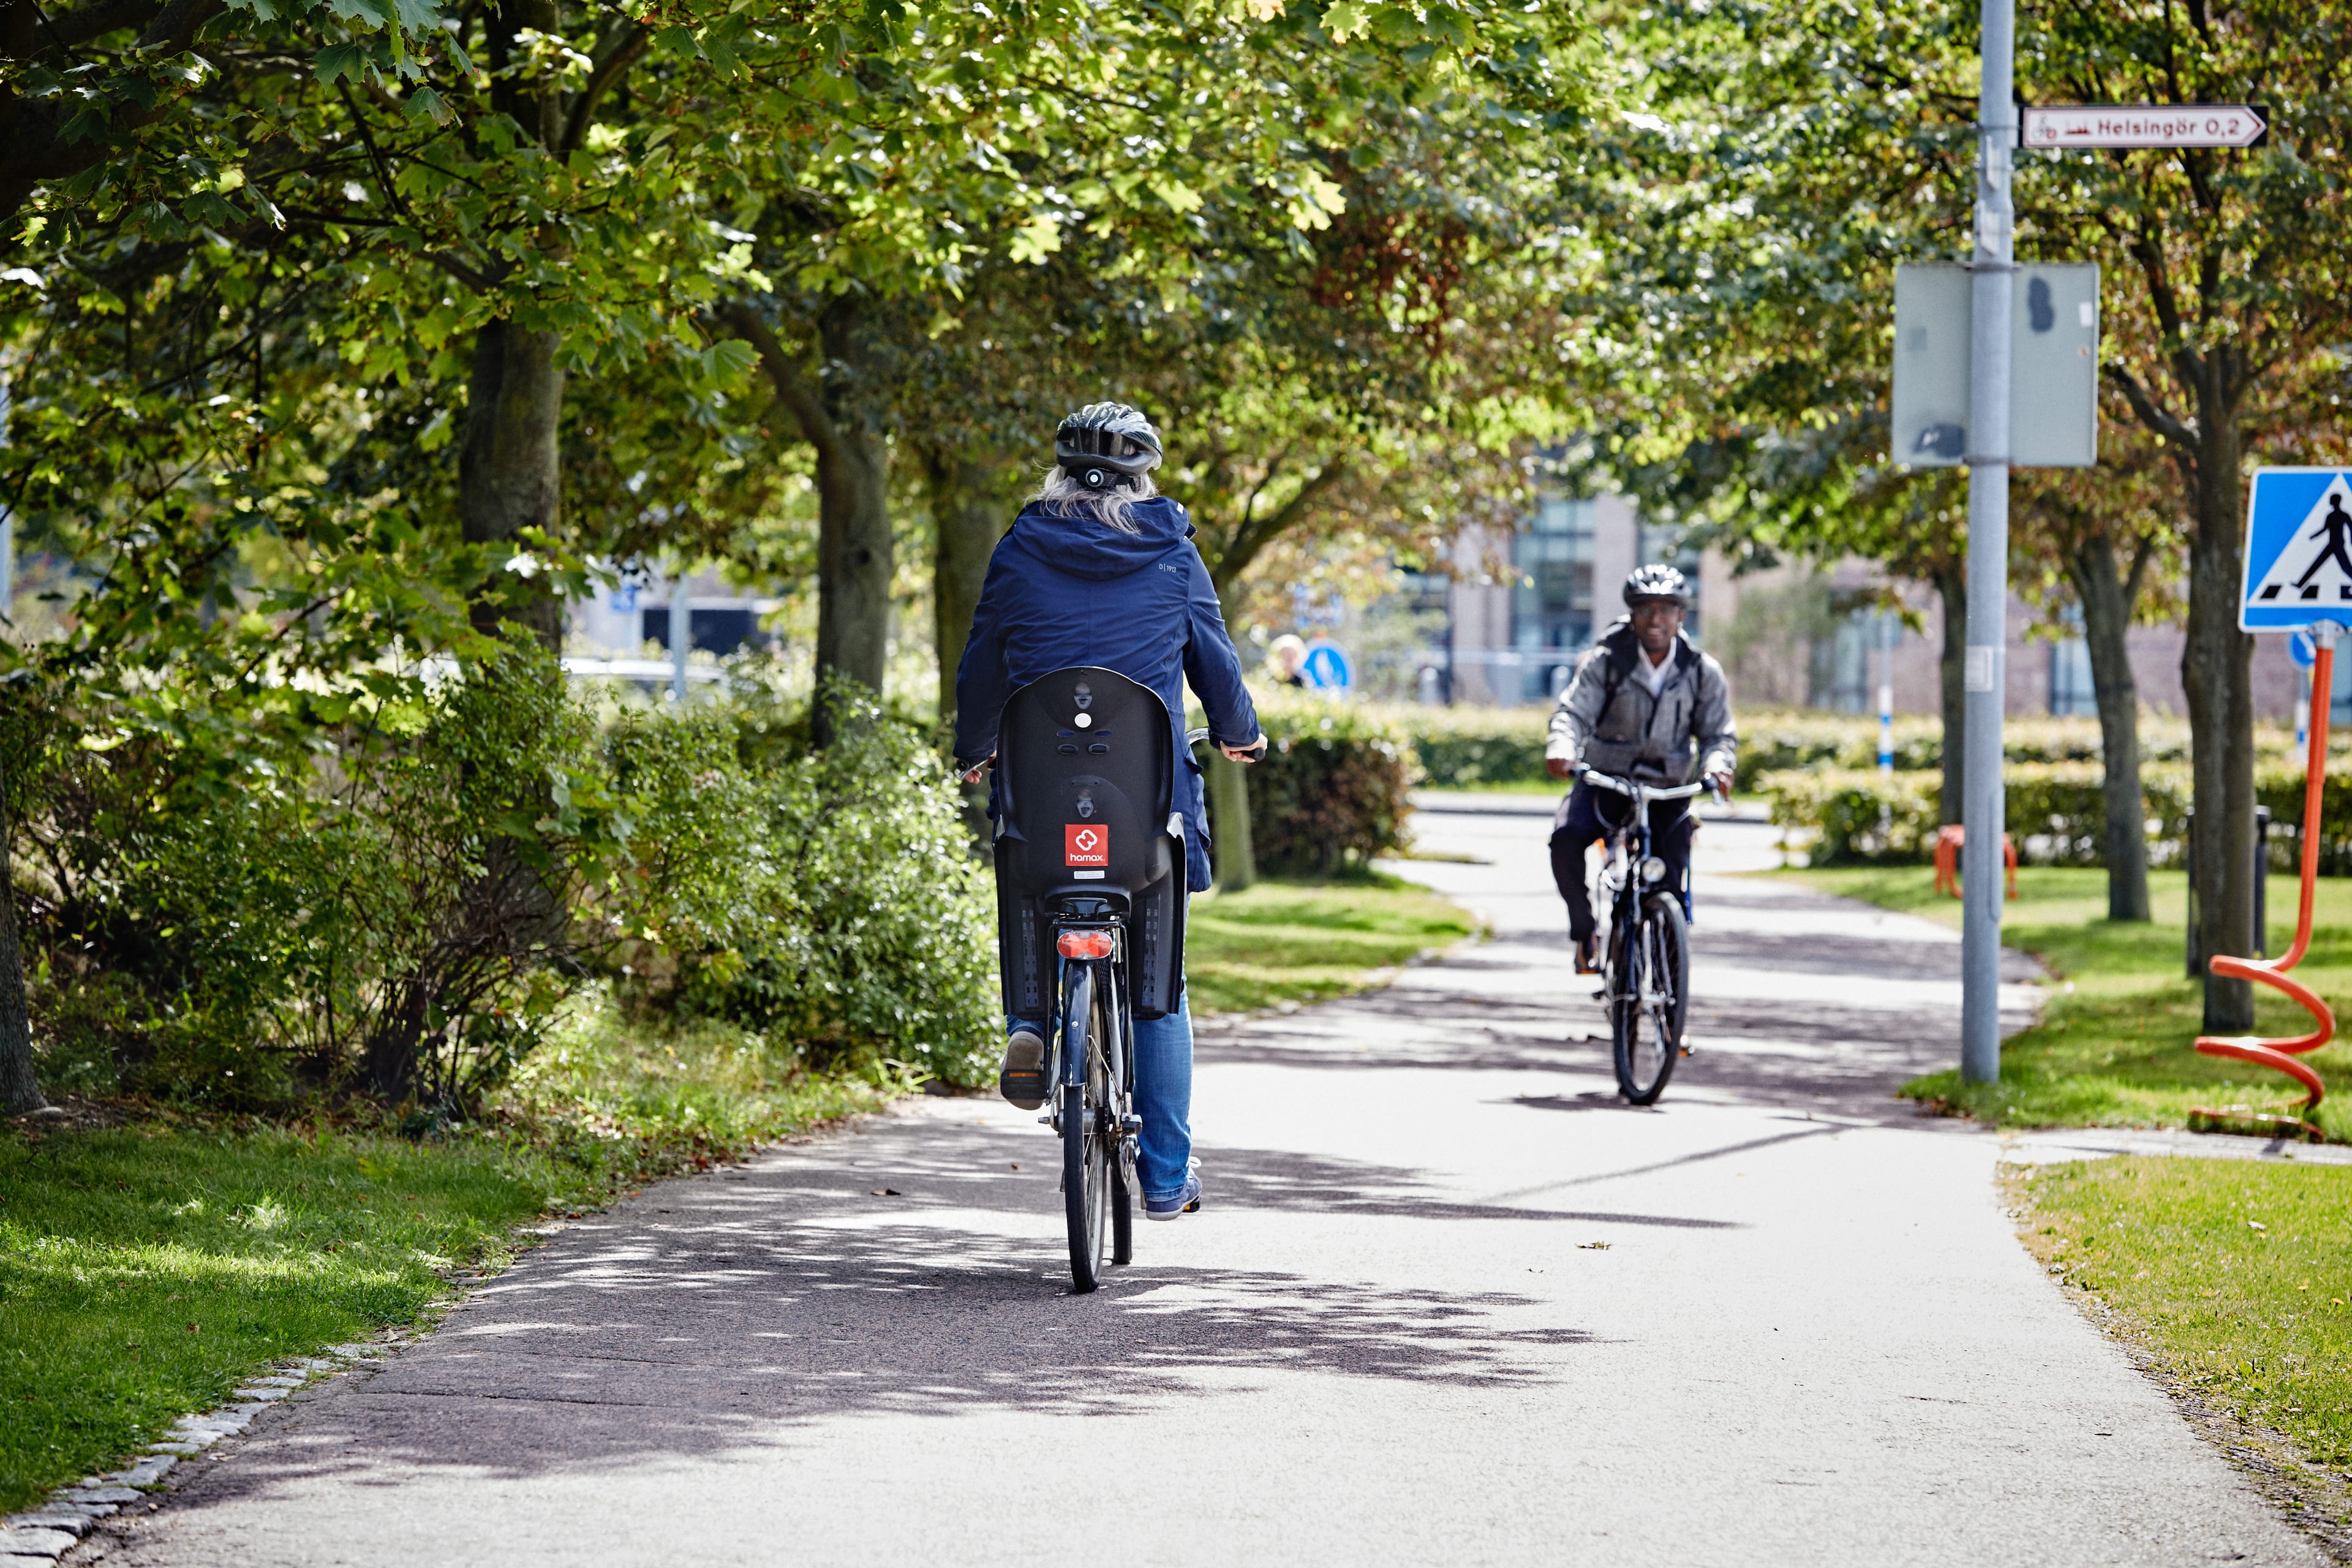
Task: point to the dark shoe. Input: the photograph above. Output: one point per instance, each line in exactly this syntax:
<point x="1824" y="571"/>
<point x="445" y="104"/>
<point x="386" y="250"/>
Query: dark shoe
<point x="1176" y="1207"/>
<point x="1588" y="955"/>
<point x="1022" y="1079"/>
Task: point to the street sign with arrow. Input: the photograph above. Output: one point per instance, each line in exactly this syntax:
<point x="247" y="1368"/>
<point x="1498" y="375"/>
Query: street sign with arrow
<point x="2145" y="125"/>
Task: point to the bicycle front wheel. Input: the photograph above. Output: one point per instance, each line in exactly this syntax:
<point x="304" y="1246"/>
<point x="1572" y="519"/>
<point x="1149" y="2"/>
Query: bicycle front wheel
<point x="1085" y="1143"/>
<point x="1650" y="998"/>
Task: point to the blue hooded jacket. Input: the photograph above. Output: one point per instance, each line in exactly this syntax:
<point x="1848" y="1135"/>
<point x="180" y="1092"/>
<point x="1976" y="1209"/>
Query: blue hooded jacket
<point x="1066" y="591"/>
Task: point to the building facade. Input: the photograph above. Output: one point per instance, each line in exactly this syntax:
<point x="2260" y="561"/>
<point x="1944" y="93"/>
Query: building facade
<point x="1520" y="608"/>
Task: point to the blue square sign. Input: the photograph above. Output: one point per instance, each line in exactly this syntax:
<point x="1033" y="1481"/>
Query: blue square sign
<point x="2299" y="549"/>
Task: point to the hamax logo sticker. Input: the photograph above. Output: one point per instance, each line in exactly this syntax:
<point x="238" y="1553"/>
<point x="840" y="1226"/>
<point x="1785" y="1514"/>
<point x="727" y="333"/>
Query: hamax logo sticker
<point x="1086" y="844"/>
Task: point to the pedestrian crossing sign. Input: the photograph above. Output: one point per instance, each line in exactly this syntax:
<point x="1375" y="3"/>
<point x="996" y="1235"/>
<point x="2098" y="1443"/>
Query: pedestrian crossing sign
<point x="2299" y="549"/>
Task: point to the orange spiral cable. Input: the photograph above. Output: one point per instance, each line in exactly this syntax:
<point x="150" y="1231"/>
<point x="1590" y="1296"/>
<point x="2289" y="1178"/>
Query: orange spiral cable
<point x="2280" y="1055"/>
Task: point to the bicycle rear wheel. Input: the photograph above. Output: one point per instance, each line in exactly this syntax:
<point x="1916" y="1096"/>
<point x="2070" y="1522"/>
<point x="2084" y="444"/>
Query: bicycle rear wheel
<point x="1650" y="998"/>
<point x="1086" y="1163"/>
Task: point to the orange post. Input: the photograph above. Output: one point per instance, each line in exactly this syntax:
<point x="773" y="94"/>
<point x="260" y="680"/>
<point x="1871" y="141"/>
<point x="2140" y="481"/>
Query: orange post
<point x="1950" y="841"/>
<point x="2280" y="1055"/>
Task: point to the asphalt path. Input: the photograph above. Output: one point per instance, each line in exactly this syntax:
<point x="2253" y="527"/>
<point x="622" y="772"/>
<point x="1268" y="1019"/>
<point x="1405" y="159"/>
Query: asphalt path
<point x="1449" y="1302"/>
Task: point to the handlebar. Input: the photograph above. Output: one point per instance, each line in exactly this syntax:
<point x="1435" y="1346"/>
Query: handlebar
<point x="971" y="771"/>
<point x="1654" y="792"/>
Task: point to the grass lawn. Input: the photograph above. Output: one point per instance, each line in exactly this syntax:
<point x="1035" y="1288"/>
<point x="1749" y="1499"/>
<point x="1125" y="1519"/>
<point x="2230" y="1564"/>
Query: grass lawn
<point x="146" y="1270"/>
<point x="2235" y="1276"/>
<point x="1309" y="942"/>
<point x="2114" y="1048"/>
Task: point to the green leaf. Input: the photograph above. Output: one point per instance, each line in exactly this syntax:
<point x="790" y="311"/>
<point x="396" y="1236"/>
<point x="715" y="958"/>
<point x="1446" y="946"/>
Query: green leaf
<point x="341" y="61"/>
<point x="1346" y="20"/>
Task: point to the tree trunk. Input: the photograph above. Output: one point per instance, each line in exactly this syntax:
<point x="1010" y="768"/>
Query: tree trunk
<point x="843" y="412"/>
<point x="1952" y="587"/>
<point x="1230" y="840"/>
<point x="2106" y="594"/>
<point x="854" y="563"/>
<point x="1229" y="816"/>
<point x="971" y="508"/>
<point x="2215" y="668"/>
<point x="509" y="474"/>
<point x="20" y="1093"/>
<point x="853" y="567"/>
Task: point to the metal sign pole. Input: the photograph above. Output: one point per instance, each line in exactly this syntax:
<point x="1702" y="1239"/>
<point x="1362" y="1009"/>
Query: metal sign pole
<point x="681" y="630"/>
<point x="1983" y="800"/>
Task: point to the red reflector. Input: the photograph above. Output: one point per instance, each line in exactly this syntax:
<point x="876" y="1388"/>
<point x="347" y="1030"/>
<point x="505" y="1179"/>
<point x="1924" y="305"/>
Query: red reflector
<point x="1084" y="944"/>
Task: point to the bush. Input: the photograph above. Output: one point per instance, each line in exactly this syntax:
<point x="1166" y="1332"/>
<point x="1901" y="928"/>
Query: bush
<point x="403" y="911"/>
<point x="1857" y="813"/>
<point x="2056" y="811"/>
<point x="2279" y="784"/>
<point x="840" y="905"/>
<point x="1464" y="747"/>
<point x="1332" y="792"/>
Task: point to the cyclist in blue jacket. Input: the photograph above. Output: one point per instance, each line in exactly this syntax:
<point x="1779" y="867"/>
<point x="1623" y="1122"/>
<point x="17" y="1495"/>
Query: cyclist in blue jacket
<point x="1100" y="569"/>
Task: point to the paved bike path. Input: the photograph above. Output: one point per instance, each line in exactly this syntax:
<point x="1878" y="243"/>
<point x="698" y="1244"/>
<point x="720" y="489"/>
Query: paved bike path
<point x="1449" y="1303"/>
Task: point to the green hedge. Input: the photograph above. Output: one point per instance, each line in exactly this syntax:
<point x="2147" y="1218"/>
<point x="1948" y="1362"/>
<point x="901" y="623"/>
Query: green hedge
<point x="2056" y="812"/>
<point x="1331" y="792"/>
<point x="1467" y="747"/>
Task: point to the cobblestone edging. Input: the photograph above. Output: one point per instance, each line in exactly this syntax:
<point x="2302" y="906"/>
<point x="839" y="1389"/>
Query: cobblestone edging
<point x="43" y="1534"/>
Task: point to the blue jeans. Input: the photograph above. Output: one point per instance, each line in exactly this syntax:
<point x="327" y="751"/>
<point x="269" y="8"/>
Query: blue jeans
<point x="1163" y="1098"/>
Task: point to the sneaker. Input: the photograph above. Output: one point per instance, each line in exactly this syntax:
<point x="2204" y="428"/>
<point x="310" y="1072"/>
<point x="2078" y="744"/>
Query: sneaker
<point x="1182" y="1204"/>
<point x="1588" y="955"/>
<point x="1022" y="1079"/>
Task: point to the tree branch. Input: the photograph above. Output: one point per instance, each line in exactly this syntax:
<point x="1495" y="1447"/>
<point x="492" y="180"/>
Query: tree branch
<point x="794" y="388"/>
<point x="479" y="282"/>
<point x="1251" y="537"/>
<point x="612" y="61"/>
<point x="2172" y="428"/>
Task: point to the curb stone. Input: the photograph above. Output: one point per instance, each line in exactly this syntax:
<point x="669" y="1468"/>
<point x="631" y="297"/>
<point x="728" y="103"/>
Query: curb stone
<point x="46" y="1531"/>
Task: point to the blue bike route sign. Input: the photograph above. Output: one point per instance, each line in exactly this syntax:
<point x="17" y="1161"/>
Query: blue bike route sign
<point x="1327" y="667"/>
<point x="2299" y="549"/>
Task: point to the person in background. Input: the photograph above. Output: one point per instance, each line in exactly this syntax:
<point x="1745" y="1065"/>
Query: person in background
<point x="1289" y="659"/>
<point x="1645" y="705"/>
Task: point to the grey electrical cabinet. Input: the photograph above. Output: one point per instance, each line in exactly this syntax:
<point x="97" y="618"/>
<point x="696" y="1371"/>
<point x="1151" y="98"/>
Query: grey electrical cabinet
<point x="2053" y="345"/>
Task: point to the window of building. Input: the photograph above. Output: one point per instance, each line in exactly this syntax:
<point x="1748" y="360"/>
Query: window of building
<point x="1842" y="664"/>
<point x="2072" y="692"/>
<point x="1551" y="603"/>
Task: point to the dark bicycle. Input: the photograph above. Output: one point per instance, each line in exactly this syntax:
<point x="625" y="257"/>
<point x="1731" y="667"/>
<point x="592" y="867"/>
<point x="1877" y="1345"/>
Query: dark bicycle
<point x="1090" y="921"/>
<point x="1645" y="969"/>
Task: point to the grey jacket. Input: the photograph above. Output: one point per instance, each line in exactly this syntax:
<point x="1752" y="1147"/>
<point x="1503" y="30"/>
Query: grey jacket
<point x="1608" y="720"/>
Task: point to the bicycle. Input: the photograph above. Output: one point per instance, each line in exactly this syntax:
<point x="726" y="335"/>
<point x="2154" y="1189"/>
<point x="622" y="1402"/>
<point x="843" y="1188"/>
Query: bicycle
<point x="1645" y="972"/>
<point x="1090" y="922"/>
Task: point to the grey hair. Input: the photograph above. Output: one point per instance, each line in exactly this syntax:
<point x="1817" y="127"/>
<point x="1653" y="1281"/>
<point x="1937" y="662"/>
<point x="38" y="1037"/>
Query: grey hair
<point x="1064" y="496"/>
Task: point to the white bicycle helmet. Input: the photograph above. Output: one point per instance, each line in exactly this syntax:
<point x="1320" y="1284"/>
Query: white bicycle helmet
<point x="1656" y="581"/>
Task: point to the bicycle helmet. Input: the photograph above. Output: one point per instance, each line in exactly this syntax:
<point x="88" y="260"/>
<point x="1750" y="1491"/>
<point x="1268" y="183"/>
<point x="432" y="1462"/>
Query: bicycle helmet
<point x="1106" y="444"/>
<point x="1656" y="581"/>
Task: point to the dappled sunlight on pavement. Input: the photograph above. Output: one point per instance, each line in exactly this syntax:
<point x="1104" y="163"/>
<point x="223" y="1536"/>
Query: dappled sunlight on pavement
<point x="1449" y="1300"/>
